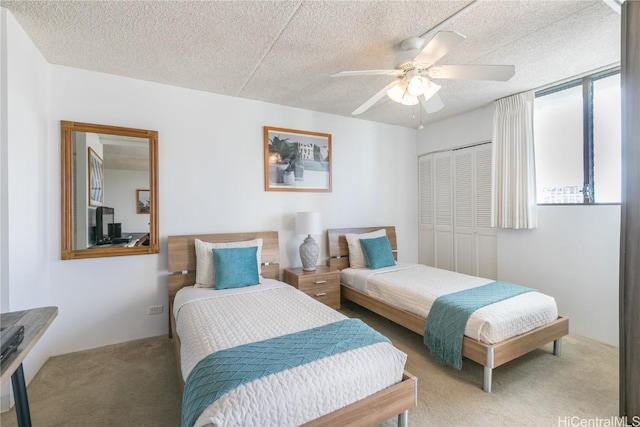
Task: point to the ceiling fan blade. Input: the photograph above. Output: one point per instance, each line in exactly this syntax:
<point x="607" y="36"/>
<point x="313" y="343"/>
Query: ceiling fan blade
<point x="375" y="98"/>
<point x="433" y="104"/>
<point x="439" y="46"/>
<point x="472" y="72"/>
<point x="368" y="73"/>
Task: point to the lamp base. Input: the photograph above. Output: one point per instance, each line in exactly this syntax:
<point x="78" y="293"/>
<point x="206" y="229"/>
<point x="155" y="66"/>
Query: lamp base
<point x="309" y="251"/>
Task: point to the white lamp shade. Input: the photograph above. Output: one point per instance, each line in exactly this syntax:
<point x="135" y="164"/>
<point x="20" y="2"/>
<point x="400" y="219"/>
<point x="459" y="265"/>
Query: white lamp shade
<point x="409" y="100"/>
<point x="308" y="223"/>
<point x="417" y="86"/>
<point x="399" y="94"/>
<point x="431" y="89"/>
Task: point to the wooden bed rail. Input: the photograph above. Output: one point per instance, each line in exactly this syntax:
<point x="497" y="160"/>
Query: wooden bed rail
<point x="372" y="410"/>
<point x="488" y="355"/>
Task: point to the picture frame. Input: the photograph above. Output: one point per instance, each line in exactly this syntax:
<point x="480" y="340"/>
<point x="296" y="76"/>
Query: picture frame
<point x="296" y="160"/>
<point x="143" y="201"/>
<point x="96" y="179"/>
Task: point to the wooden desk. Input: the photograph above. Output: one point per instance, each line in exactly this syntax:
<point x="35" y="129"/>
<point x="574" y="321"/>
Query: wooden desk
<point x="35" y="322"/>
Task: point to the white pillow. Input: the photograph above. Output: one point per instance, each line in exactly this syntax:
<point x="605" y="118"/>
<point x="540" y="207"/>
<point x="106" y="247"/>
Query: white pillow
<point x="356" y="255"/>
<point x="205" y="274"/>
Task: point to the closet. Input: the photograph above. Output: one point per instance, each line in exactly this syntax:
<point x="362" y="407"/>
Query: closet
<point x="455" y="211"/>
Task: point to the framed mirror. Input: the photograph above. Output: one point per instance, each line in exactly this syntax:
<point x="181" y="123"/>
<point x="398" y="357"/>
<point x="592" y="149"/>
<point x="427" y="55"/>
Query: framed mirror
<point x="109" y="191"/>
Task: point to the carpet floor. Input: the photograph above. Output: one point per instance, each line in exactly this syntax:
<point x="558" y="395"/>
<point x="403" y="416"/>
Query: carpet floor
<point x="136" y="384"/>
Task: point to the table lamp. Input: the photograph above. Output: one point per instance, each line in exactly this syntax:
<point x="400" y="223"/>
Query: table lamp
<point x="308" y="223"/>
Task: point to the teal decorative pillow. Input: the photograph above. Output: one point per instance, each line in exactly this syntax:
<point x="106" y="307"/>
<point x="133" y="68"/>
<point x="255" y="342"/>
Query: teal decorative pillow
<point x="235" y="267"/>
<point x="378" y="252"/>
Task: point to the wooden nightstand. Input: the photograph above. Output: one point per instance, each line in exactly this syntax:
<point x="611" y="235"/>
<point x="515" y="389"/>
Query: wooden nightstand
<point x="322" y="284"/>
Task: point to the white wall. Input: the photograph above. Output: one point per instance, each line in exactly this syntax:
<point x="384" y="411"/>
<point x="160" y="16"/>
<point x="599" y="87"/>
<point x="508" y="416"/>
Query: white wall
<point x="470" y="128"/>
<point x="121" y="196"/>
<point x="572" y="256"/>
<point x="211" y="180"/>
<point x="26" y="175"/>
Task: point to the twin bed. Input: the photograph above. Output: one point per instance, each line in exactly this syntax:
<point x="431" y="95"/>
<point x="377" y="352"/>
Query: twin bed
<point x="364" y="384"/>
<point x="359" y="378"/>
<point x="494" y="335"/>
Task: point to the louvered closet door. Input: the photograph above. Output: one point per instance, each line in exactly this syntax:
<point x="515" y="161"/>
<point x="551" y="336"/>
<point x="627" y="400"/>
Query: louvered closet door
<point x="475" y="248"/>
<point x="443" y="210"/>
<point x="455" y="212"/>
<point x="426" y="231"/>
<point x="486" y="247"/>
<point x="464" y="212"/>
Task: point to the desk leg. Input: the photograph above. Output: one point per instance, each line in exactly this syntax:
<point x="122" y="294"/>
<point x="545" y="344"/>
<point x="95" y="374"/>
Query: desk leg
<point x="20" y="394"/>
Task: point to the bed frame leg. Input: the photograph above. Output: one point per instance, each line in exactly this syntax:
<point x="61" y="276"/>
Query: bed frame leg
<point x="487" y="379"/>
<point x="403" y="419"/>
<point x="488" y="370"/>
<point x="557" y="347"/>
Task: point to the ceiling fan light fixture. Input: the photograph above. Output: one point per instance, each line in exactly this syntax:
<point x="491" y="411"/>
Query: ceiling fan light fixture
<point x="417" y="85"/>
<point x="417" y="64"/>
<point x="431" y="89"/>
<point x="409" y="100"/>
<point x="399" y="94"/>
<point x="396" y="93"/>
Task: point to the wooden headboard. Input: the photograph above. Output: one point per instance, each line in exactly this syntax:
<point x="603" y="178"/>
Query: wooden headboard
<point x="339" y="250"/>
<point x="182" y="256"/>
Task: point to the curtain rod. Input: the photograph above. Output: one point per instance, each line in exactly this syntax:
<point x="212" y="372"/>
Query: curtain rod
<point x="444" y="150"/>
<point x="578" y="76"/>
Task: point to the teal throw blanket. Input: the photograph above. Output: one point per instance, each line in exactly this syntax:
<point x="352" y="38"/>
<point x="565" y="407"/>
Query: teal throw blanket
<point x="221" y="372"/>
<point x="447" y="319"/>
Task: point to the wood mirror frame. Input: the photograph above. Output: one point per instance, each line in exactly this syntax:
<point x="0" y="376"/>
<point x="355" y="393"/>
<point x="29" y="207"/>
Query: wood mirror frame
<point x="67" y="187"/>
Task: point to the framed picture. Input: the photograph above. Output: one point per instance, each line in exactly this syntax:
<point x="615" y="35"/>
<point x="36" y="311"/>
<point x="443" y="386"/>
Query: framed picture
<point x="143" y="201"/>
<point x="96" y="179"/>
<point x="296" y="160"/>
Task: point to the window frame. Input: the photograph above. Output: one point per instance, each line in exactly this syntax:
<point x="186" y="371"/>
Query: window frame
<point x="588" y="185"/>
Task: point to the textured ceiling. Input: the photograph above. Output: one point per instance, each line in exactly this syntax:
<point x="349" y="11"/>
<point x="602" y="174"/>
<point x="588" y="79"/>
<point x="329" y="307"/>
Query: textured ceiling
<point x="284" y="52"/>
<point x="126" y="153"/>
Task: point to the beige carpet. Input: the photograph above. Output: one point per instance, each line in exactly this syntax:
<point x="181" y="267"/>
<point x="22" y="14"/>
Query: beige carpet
<point x="136" y="384"/>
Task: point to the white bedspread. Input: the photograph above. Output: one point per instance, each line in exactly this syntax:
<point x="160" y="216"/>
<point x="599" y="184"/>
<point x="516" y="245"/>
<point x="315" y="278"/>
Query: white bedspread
<point x="414" y="287"/>
<point x="210" y="320"/>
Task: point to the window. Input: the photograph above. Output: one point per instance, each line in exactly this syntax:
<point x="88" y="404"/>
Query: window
<point x="578" y="140"/>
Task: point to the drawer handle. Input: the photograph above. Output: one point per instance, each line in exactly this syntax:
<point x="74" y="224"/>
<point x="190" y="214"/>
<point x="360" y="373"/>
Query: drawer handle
<point x="321" y="294"/>
<point x="321" y="282"/>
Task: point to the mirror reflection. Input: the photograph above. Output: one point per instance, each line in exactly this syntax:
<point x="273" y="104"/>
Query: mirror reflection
<point x="110" y="172"/>
<point x="108" y="205"/>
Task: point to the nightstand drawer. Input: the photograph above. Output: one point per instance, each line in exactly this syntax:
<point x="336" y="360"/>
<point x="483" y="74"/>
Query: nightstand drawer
<point x="319" y="281"/>
<point x="329" y="296"/>
<point x="322" y="284"/>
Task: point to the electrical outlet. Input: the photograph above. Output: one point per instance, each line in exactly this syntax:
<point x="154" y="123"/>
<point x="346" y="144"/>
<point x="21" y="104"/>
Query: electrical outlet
<point x="155" y="309"/>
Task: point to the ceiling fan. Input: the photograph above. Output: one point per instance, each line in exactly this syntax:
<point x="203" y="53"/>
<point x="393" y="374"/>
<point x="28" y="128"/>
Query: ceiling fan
<point x="415" y="67"/>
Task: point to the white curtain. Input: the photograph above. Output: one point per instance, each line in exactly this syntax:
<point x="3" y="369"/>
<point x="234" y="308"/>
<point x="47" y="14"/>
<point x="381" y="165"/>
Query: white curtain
<point x="514" y="173"/>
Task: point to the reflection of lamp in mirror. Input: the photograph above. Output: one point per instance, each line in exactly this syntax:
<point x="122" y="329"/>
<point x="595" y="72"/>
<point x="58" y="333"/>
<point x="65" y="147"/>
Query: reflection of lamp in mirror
<point x="309" y="223"/>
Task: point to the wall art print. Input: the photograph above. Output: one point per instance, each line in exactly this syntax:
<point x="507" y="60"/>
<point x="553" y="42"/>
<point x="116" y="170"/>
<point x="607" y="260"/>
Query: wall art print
<point x="143" y="201"/>
<point x="96" y="179"/>
<point x="296" y="160"/>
